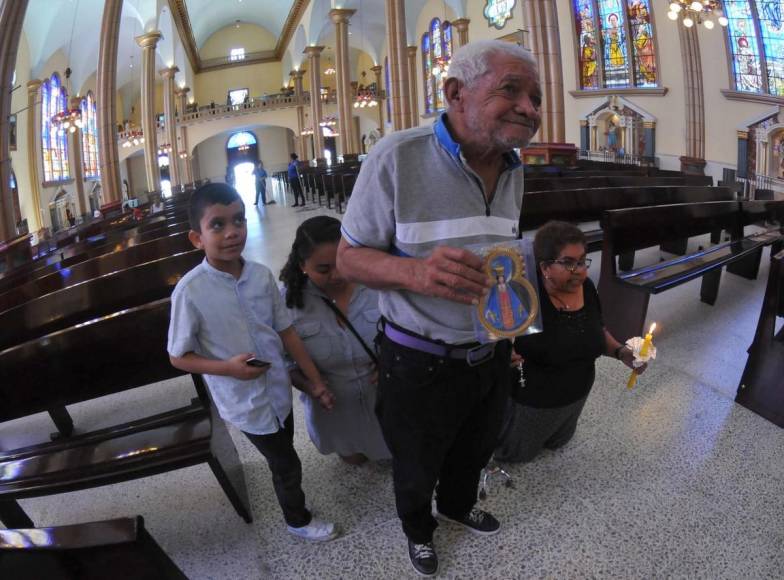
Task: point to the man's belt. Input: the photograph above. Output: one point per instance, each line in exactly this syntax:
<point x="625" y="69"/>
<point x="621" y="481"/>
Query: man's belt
<point x="472" y="356"/>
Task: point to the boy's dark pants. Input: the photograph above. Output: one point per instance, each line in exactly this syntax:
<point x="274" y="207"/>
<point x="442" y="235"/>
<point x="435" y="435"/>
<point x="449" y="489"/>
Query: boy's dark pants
<point x="440" y="418"/>
<point x="278" y="450"/>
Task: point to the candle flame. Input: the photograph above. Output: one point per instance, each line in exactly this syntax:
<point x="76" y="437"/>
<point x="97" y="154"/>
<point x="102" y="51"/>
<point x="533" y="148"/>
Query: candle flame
<point x="652" y="328"/>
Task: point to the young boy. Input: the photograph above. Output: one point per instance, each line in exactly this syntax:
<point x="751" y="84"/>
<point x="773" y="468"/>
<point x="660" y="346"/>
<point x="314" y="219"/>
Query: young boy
<point x="227" y="311"/>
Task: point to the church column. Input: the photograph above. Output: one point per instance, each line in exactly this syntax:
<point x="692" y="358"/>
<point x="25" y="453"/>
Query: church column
<point x="35" y="221"/>
<point x="170" y="122"/>
<point x="149" y="127"/>
<point x="301" y="140"/>
<point x="341" y="16"/>
<point x="106" y="104"/>
<point x="11" y="20"/>
<point x="398" y="65"/>
<point x="379" y="91"/>
<point x="412" y="85"/>
<point x="545" y="45"/>
<point x="314" y="53"/>
<point x="75" y="149"/>
<point x="182" y="103"/>
<point x="694" y="160"/>
<point x="461" y="25"/>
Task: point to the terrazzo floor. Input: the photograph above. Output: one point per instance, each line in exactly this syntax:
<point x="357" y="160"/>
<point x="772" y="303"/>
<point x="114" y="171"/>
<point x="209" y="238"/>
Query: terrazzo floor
<point x="669" y="480"/>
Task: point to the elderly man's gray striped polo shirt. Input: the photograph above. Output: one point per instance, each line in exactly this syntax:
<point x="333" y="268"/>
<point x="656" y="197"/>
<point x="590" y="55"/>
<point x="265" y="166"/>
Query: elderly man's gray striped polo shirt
<point x="415" y="192"/>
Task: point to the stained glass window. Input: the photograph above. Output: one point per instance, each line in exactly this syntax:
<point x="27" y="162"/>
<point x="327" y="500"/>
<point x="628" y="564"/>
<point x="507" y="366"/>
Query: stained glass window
<point x="54" y="140"/>
<point x="586" y="33"/>
<point x="241" y="139"/>
<point x="89" y="137"/>
<point x="771" y="20"/>
<point x="427" y="66"/>
<point x="615" y="44"/>
<point x="436" y="55"/>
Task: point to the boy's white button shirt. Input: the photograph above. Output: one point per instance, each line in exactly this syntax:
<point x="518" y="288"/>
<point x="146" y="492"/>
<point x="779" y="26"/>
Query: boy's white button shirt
<point x="218" y="316"/>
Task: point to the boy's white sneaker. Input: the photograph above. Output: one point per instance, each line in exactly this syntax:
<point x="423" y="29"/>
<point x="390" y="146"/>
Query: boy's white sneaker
<point x="316" y="531"/>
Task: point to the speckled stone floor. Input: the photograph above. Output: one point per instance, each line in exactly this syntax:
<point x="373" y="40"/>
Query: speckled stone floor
<point x="669" y="480"/>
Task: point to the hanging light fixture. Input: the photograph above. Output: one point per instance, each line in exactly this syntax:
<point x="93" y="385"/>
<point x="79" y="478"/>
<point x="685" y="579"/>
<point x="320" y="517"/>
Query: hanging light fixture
<point x="330" y="70"/>
<point x="366" y="97"/>
<point x="697" y="12"/>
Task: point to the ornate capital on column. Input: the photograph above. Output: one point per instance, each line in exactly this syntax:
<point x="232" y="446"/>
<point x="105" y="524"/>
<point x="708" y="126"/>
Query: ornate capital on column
<point x="297" y="74"/>
<point x="33" y="86"/>
<point x="75" y="102"/>
<point x="339" y="15"/>
<point x="743" y="135"/>
<point x="412" y="50"/>
<point x="168" y="73"/>
<point x="649" y="124"/>
<point x="313" y="51"/>
<point x="461" y="25"/>
<point x="149" y="39"/>
<point x="377" y="69"/>
<point x="181" y="91"/>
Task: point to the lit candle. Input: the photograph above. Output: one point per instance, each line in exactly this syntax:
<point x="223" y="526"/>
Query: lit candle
<point x="646" y="346"/>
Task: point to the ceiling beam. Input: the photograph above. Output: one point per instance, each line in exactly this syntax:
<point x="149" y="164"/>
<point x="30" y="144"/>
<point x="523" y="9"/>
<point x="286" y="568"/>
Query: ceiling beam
<point x="183" y="23"/>
<point x="295" y="15"/>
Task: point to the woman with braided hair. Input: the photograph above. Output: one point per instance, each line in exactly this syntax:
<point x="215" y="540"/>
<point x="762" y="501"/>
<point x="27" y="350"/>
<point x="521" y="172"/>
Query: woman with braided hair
<point x="337" y="322"/>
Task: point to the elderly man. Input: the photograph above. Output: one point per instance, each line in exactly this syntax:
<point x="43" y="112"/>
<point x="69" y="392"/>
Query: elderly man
<point x="421" y="197"/>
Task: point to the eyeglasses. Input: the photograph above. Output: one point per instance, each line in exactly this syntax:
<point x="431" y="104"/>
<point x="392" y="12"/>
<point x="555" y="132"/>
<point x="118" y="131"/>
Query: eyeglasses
<point x="572" y="265"/>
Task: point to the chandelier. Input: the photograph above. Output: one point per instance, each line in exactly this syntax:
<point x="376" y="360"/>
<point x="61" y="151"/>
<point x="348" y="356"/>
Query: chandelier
<point x="366" y="97"/>
<point x="67" y="119"/>
<point x="328" y="122"/>
<point x="699" y="12"/>
<point x="133" y="138"/>
<point x="307" y="131"/>
<point x="164" y="149"/>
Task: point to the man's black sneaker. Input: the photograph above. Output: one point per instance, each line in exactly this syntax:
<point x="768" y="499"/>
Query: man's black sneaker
<point x="477" y="521"/>
<point x="423" y="558"/>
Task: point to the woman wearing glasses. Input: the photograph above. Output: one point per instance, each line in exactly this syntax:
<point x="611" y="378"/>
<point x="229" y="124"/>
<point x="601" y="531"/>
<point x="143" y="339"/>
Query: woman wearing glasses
<point x="557" y="367"/>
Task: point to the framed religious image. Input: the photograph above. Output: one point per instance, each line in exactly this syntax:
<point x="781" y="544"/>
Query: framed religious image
<point x="497" y="12"/>
<point x="511" y="307"/>
<point x="12" y="131"/>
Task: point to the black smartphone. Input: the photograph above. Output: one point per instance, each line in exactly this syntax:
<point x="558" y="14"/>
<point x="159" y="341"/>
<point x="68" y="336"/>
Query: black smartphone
<point x="254" y="362"/>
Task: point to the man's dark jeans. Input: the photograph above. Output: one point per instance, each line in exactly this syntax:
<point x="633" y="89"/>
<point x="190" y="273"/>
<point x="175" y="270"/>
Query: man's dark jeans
<point x="440" y="418"/>
<point x="278" y="449"/>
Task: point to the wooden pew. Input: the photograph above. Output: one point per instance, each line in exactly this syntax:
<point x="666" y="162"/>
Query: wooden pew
<point x="592" y="182"/>
<point x="589" y="205"/>
<point x="112" y="354"/>
<point x="94" y="298"/>
<point x="90" y="249"/>
<point x="93" y="268"/>
<point x="120" y="549"/>
<point x="625" y="295"/>
<point x="761" y="387"/>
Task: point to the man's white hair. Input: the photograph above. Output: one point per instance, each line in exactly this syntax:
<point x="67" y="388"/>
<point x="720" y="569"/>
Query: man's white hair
<point x="471" y="61"/>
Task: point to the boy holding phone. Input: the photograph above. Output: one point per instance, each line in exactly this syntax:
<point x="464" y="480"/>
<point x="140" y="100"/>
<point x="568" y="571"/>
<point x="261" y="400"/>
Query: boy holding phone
<point x="225" y="312"/>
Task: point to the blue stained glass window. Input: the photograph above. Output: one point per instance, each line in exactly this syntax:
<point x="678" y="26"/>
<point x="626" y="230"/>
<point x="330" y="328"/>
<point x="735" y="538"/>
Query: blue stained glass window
<point x="240" y="139"/>
<point x="54" y="140"/>
<point x="589" y="44"/>
<point x="615" y="43"/>
<point x="744" y="44"/>
<point x="771" y="19"/>
<point x="615" y="58"/>
<point x="427" y="67"/>
<point x="89" y="137"/>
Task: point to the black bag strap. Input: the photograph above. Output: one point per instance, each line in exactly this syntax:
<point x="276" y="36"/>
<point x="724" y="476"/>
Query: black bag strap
<point x="339" y="313"/>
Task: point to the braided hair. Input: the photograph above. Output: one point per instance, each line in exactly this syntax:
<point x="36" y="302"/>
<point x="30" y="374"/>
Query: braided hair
<point x="310" y="234"/>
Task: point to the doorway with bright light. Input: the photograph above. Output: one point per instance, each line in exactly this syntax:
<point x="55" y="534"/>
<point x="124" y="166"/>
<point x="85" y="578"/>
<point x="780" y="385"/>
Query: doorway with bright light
<point x="245" y="182"/>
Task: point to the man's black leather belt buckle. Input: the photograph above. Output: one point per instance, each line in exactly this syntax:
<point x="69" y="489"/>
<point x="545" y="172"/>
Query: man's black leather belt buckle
<point x="480" y="354"/>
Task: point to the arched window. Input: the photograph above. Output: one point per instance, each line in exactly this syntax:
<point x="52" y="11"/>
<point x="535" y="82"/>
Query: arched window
<point x="615" y="40"/>
<point x="89" y="137"/>
<point x="54" y="140"/>
<point x="436" y="55"/>
<point x="240" y="140"/>
<point x="756" y="38"/>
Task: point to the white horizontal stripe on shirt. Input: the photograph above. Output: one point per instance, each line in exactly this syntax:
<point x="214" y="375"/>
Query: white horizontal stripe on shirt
<point x="433" y="231"/>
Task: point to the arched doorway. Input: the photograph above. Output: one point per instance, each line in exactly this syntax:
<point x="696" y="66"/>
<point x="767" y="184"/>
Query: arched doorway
<point x="242" y="152"/>
<point x="163" y="165"/>
<point x="61" y="210"/>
